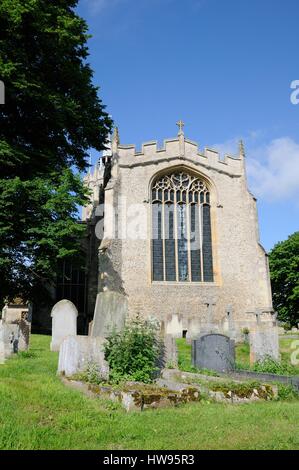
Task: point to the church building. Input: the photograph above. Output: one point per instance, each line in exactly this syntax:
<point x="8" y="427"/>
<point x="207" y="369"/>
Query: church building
<point x="177" y="239"/>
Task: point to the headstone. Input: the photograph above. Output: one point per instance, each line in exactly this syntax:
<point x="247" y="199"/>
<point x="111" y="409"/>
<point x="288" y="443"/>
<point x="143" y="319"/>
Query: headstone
<point x="214" y="352"/>
<point x="170" y="351"/>
<point x="9" y="340"/>
<point x="24" y="332"/>
<point x="64" y="322"/>
<point x="174" y="325"/>
<point x="264" y="343"/>
<point x="18" y="313"/>
<point x="77" y="352"/>
<point x="208" y="325"/>
<point x="110" y="313"/>
<point x="230" y="318"/>
<point x="14" y="311"/>
<point x="210" y="317"/>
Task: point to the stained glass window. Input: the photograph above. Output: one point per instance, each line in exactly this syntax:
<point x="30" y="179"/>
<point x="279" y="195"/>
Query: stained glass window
<point x="181" y="229"/>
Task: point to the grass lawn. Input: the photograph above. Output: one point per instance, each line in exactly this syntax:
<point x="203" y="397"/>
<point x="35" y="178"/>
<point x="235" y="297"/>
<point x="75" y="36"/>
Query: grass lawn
<point x="242" y="354"/>
<point x="38" y="412"/>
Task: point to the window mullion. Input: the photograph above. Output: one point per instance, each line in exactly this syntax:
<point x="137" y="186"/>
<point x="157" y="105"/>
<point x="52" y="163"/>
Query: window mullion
<point x="176" y="237"/>
<point x="201" y="239"/>
<point x="188" y="234"/>
<point x="163" y="235"/>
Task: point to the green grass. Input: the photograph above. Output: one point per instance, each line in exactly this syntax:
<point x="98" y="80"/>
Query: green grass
<point x="38" y="412"/>
<point x="242" y="356"/>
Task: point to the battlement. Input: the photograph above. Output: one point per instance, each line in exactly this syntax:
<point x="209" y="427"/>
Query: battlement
<point x="182" y="148"/>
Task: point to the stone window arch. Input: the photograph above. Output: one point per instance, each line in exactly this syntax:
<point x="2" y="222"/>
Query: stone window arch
<point x="181" y="228"/>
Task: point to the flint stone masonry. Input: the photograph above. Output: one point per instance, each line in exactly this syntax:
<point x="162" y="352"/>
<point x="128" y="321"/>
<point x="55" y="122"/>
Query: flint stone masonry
<point x="264" y="343"/>
<point x="240" y="264"/>
<point x="64" y="322"/>
<point x="77" y="352"/>
<point x="214" y="352"/>
<point x="110" y="313"/>
<point x="9" y="339"/>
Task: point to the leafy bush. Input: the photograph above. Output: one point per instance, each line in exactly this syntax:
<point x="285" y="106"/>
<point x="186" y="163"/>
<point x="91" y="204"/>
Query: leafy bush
<point x="271" y="366"/>
<point x="91" y="375"/>
<point x="287" y="392"/>
<point x="133" y="354"/>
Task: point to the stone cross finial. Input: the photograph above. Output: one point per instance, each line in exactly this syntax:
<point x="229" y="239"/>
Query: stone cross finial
<point x="180" y="125"/>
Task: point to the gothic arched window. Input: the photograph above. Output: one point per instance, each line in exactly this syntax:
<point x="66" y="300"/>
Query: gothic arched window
<point x="181" y="229"/>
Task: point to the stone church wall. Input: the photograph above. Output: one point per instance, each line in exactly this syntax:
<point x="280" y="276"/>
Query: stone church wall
<point x="241" y="278"/>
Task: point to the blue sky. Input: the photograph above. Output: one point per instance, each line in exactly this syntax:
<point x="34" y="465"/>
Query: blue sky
<point x="223" y="66"/>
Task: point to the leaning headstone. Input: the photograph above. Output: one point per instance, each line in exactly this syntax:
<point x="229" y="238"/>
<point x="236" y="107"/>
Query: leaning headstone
<point x="78" y="352"/>
<point x="64" y="322"/>
<point x="214" y="352"/>
<point x="110" y="313"/>
<point x="264" y="343"/>
<point x="9" y="340"/>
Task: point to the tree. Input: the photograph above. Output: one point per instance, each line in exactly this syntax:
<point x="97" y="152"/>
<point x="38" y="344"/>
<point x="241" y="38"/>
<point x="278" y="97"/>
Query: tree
<point x="51" y="118"/>
<point x="284" y="269"/>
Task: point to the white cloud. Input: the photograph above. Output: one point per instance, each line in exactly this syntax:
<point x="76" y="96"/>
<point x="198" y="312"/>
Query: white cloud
<point x="230" y="147"/>
<point x="273" y="170"/>
<point x="97" y="6"/>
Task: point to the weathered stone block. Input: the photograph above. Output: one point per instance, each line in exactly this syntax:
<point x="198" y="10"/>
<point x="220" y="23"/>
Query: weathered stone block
<point x="264" y="342"/>
<point x="110" y="313"/>
<point x="77" y="352"/>
<point x="9" y="340"/>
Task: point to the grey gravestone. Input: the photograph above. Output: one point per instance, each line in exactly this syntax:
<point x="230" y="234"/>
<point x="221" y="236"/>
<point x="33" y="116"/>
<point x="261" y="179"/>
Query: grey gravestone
<point x="110" y="313"/>
<point x="18" y="314"/>
<point x="209" y="325"/>
<point x="214" y="352"/>
<point x="264" y="343"/>
<point x="64" y="322"/>
<point x="77" y="352"/>
<point x="170" y="351"/>
<point x="9" y="340"/>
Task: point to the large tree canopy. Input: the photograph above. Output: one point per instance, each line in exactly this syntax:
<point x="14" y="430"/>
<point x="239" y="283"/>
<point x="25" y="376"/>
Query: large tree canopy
<point x="51" y="118"/>
<point x="284" y="268"/>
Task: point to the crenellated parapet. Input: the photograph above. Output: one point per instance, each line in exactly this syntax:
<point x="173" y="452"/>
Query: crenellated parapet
<point x="183" y="149"/>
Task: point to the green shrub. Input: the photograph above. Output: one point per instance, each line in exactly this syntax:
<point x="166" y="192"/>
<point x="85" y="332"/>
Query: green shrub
<point x="91" y="375"/>
<point x="287" y="326"/>
<point x="271" y="366"/>
<point x="287" y="392"/>
<point x="245" y="331"/>
<point x="133" y="354"/>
